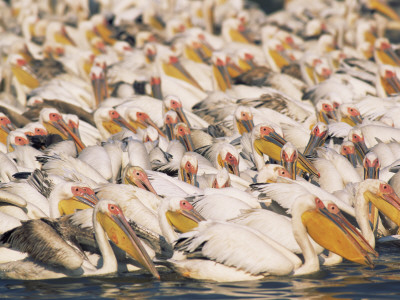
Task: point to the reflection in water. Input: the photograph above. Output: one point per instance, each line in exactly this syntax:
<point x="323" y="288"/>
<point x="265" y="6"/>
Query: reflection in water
<point x="344" y="281"/>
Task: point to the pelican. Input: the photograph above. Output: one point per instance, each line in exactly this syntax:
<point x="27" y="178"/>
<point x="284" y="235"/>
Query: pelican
<point x="67" y="166"/>
<point x="289" y="156"/>
<point x="213" y="236"/>
<point x="266" y="141"/>
<point x="108" y="221"/>
<point x="109" y="121"/>
<point x="348" y="150"/>
<point x="54" y="123"/>
<point x="136" y="176"/>
<point x="384" y="54"/>
<point x="5" y="127"/>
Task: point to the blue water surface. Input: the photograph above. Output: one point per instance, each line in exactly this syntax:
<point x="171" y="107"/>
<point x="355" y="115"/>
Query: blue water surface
<point x="344" y="281"/>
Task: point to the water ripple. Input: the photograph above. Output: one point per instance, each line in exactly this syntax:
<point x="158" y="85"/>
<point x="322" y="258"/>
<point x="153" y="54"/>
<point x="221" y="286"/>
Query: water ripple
<point x="344" y="281"/>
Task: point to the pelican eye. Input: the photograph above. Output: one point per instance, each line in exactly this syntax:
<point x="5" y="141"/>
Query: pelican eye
<point x="185" y="205"/>
<point x="282" y="172"/>
<point x="333" y="208"/>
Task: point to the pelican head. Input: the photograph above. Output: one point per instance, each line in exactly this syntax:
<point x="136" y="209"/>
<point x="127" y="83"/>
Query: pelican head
<point x="97" y="45"/>
<point x="114" y="223"/>
<point x="326" y="111"/>
<point x="328" y="227"/>
<point x="170" y="120"/>
<point x="56" y="31"/>
<point x="356" y="136"/>
<point x="245" y="59"/>
<point x="111" y="121"/>
<point x="144" y="37"/>
<point x="270" y="173"/>
<point x="277" y="55"/>
<point x="188" y="169"/>
<point x="371" y="166"/>
<point x="233" y="30"/>
<point x="54" y="123"/>
<point x="172" y="67"/>
<point x="139" y="119"/>
<point x="322" y="72"/>
<point x="34" y="128"/>
<point x="101" y="28"/>
<point x="136" y="176"/>
<point x="150" y="52"/>
<point x="317" y="137"/>
<point x="182" y="133"/>
<point x="221" y="180"/>
<point x="202" y="36"/>
<point x="348" y="150"/>
<point x="173" y="27"/>
<point x="382" y="195"/>
<point x="16" y="138"/>
<point x="22" y="71"/>
<point x="389" y="81"/>
<point x="228" y="158"/>
<point x="193" y="50"/>
<point x="220" y="72"/>
<point x="327" y="43"/>
<point x="73" y="196"/>
<point x="314" y="27"/>
<point x="244" y="119"/>
<point x="350" y="114"/>
<point x="384" y="53"/>
<point x="155" y="83"/>
<point x="73" y="123"/>
<point x="172" y="102"/>
<point x="181" y="214"/>
<point x="336" y="57"/>
<point x="122" y="48"/>
<point x="267" y="141"/>
<point x="150" y="135"/>
<point x="99" y="84"/>
<point x="5" y="127"/>
<point x="265" y="133"/>
<point x="289" y="158"/>
<point x="286" y="39"/>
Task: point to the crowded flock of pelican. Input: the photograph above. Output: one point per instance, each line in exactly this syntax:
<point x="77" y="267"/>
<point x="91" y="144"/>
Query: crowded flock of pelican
<point x="205" y="138"/>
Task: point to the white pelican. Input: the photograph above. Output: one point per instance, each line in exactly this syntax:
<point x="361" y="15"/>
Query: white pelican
<point x="71" y="169"/>
<point x="224" y="204"/>
<point x="108" y="220"/>
<point x="259" y="255"/>
<point x="348" y="150"/>
<point x="266" y="141"/>
<point x="54" y="123"/>
<point x="384" y="54"/>
<point x="383" y="197"/>
<point x="285" y="191"/>
<point x="5" y="127"/>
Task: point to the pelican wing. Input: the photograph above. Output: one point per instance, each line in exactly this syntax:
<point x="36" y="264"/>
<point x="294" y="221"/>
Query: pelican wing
<point x="297" y="135"/>
<point x="174" y="185"/>
<point x="282" y="193"/>
<point x="43" y="244"/>
<point x="219" y="207"/>
<point x="235" y="246"/>
<point x="275" y="226"/>
<point x="339" y="129"/>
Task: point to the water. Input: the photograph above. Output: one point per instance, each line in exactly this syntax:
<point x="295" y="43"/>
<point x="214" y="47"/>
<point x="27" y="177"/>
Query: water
<point x="344" y="281"/>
